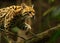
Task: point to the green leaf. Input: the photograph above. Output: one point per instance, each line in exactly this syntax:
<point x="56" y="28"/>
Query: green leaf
<point x="48" y="11"/>
<point x="15" y="29"/>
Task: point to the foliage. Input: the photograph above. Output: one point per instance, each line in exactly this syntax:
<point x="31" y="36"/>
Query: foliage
<point x="51" y="1"/>
<point x="55" y="36"/>
<point x="50" y="18"/>
<point x="15" y="29"/>
<point x="56" y="13"/>
<point x="52" y="14"/>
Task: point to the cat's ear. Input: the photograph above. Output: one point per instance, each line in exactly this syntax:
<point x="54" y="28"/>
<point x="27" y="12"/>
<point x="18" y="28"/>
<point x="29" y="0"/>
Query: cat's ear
<point x="23" y="5"/>
<point x="32" y="6"/>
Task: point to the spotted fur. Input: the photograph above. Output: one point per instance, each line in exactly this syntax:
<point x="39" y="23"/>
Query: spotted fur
<point x="15" y="16"/>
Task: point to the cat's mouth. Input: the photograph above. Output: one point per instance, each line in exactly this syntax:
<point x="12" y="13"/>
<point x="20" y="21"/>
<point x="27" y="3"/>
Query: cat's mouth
<point x="28" y="16"/>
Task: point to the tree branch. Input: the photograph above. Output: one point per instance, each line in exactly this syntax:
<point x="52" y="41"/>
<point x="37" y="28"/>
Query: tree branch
<point x="44" y="34"/>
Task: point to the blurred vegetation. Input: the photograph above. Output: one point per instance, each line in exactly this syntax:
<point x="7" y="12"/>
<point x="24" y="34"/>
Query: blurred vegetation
<point x="55" y="36"/>
<point x="47" y="16"/>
